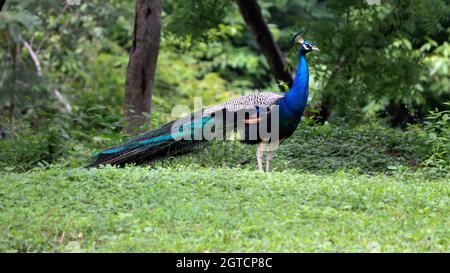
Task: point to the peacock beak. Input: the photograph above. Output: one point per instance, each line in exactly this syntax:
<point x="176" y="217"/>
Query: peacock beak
<point x="315" y="48"/>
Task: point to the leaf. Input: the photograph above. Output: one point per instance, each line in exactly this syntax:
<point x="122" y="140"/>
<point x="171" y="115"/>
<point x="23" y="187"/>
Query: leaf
<point x="432" y="136"/>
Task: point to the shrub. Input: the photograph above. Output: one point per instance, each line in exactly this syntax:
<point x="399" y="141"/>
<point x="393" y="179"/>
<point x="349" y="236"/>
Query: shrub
<point x="28" y="149"/>
<point x="437" y="130"/>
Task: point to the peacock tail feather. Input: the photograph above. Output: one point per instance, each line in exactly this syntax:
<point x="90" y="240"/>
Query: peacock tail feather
<point x="179" y="136"/>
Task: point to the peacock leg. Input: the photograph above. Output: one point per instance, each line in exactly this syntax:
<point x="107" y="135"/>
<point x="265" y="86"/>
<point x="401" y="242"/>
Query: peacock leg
<point x="269" y="157"/>
<point x="259" y="155"/>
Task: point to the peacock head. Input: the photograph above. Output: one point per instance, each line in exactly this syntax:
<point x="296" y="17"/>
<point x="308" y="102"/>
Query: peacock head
<point x="305" y="46"/>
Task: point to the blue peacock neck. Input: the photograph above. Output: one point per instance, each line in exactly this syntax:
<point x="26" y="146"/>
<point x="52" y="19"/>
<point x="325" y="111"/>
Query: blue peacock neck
<point x="297" y="97"/>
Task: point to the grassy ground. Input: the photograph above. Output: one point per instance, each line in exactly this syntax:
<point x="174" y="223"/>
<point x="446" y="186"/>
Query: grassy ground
<point x="333" y="189"/>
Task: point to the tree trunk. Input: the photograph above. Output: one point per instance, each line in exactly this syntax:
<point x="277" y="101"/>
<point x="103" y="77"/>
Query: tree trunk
<point x="2" y="2"/>
<point x="142" y="62"/>
<point x="251" y="12"/>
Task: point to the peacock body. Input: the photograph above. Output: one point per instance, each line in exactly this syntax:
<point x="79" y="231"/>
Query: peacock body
<point x="256" y="117"/>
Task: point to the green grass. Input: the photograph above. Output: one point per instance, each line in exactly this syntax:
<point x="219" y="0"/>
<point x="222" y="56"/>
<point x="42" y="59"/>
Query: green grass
<point x="333" y="188"/>
<point x="199" y="209"/>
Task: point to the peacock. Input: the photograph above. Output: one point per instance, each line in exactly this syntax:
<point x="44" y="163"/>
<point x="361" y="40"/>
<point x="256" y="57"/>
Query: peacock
<point x="264" y="119"/>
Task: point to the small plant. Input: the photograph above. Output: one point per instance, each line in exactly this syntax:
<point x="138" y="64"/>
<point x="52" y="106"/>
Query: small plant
<point x="29" y="149"/>
<point x="437" y="128"/>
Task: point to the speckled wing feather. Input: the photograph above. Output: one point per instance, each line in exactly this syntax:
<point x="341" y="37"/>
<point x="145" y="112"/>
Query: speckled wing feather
<point x="262" y="99"/>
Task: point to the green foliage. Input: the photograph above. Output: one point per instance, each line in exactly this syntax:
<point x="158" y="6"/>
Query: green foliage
<point x="28" y="149"/>
<point x="83" y="54"/>
<point x="325" y="148"/>
<point x="370" y="60"/>
<point x="194" y="209"/>
<point x="435" y="82"/>
<point x="182" y="16"/>
<point x="367" y="149"/>
<point x="437" y="128"/>
<point x="372" y="57"/>
<point x="71" y="46"/>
